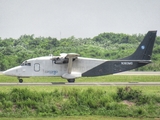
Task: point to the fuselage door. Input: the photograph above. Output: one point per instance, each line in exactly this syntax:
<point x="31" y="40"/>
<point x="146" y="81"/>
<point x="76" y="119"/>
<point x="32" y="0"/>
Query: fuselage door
<point x="36" y="67"/>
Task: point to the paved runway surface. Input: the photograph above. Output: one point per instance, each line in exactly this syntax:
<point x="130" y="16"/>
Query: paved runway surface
<point x="85" y="84"/>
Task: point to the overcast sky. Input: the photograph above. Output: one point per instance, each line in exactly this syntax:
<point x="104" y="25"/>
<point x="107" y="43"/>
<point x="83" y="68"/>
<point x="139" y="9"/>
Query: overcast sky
<point x="79" y="18"/>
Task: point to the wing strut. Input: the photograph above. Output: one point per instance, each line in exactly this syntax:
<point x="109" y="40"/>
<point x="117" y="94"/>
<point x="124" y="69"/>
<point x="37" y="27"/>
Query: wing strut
<point x="69" y="75"/>
<point x="71" y="56"/>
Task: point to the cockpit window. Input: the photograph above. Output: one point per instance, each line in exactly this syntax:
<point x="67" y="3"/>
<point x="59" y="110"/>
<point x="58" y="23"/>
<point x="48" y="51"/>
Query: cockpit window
<point x="26" y="64"/>
<point x="22" y="64"/>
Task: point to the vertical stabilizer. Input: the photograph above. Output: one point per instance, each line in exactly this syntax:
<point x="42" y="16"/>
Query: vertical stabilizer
<point x="144" y="50"/>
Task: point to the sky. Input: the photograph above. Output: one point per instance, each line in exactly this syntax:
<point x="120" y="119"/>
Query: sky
<point x="78" y="18"/>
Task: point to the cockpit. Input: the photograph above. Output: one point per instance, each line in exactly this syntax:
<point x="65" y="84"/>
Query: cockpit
<point x="25" y="63"/>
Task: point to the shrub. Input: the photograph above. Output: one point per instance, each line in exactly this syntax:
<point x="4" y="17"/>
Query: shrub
<point x="136" y="96"/>
<point x="3" y="96"/>
<point x="7" y="104"/>
<point x="1" y="105"/>
<point x="24" y="94"/>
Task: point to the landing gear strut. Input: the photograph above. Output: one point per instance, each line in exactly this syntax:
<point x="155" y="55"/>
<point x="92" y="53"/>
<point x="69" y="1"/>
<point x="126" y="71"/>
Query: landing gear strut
<point x="71" y="80"/>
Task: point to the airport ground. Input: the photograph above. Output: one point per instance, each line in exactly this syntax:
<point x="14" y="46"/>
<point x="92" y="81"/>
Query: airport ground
<point x="131" y="77"/>
<point x="147" y="90"/>
<point x="125" y="77"/>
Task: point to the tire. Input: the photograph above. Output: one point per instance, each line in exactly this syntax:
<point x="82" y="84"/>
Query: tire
<point x="71" y="80"/>
<point x="20" y="80"/>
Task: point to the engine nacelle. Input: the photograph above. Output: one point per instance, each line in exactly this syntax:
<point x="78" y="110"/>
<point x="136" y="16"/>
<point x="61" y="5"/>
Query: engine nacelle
<point x="60" y="60"/>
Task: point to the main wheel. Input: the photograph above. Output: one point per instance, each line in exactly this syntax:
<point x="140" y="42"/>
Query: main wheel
<point x="20" y="80"/>
<point x="71" y="80"/>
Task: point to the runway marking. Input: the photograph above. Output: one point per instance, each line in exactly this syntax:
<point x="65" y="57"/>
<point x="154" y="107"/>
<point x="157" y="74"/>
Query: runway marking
<point x="85" y="84"/>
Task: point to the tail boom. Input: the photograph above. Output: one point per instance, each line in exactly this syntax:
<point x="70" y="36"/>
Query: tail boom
<point x="115" y="66"/>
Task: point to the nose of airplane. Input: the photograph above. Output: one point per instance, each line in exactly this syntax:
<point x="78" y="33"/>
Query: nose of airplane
<point x="10" y="72"/>
<point x="4" y="73"/>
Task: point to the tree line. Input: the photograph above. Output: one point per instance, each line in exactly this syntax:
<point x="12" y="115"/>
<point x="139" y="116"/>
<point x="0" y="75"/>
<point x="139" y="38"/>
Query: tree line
<point x="104" y="46"/>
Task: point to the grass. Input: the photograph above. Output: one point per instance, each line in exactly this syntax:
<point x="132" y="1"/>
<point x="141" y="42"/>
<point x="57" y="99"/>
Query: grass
<point x="28" y="101"/>
<point x="24" y="102"/>
<point x="81" y="118"/>
<point x="110" y="78"/>
<point x="110" y="89"/>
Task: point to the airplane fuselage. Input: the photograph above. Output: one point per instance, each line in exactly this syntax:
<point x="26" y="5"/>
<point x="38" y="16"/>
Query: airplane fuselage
<point x="44" y="66"/>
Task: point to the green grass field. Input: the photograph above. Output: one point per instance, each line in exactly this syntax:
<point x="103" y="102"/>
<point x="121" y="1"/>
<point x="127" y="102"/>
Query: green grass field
<point x="109" y="89"/>
<point x="82" y="118"/>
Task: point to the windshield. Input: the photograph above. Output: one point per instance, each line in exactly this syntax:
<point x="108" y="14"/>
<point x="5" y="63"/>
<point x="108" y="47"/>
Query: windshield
<point x="25" y="63"/>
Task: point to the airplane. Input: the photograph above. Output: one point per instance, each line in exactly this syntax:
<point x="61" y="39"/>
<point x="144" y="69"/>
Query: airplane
<point x="70" y="66"/>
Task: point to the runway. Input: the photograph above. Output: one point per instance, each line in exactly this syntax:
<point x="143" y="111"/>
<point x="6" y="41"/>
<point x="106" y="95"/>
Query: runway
<point x="84" y="84"/>
<point x="94" y="83"/>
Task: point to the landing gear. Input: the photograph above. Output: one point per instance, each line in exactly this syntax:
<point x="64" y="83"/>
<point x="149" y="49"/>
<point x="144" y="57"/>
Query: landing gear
<point x="20" y="80"/>
<point x="71" y="80"/>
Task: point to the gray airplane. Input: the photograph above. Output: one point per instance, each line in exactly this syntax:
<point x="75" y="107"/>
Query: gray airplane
<point x="71" y="66"/>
